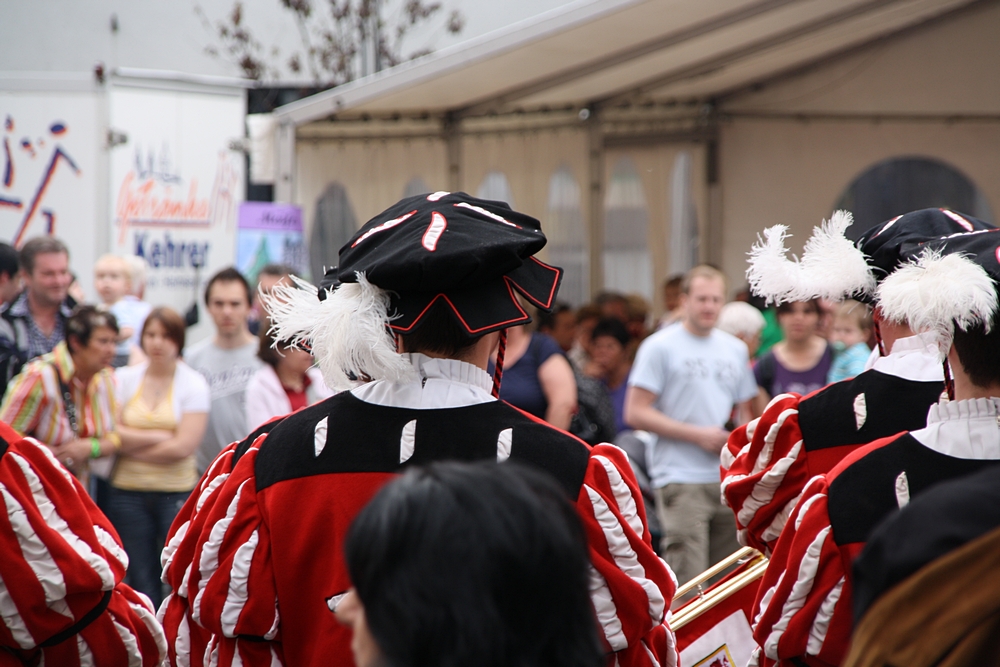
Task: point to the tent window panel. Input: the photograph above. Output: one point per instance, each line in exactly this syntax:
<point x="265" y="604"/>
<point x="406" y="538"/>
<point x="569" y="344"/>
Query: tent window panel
<point x="564" y="228"/>
<point x="628" y="265"/>
<point x="900" y="185"/>
<point x="416" y="186"/>
<point x="683" y="216"/>
<point x="495" y="186"/>
<point x="333" y="226"/>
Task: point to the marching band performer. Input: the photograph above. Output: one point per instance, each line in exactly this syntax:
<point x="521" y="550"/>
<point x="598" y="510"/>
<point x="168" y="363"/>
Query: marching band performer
<point x="62" y="597"/>
<point x="805" y="597"/>
<point x="429" y="286"/>
<point x="767" y="462"/>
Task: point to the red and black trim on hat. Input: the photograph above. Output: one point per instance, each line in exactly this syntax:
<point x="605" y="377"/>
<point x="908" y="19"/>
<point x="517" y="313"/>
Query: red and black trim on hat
<point x="885" y="244"/>
<point x="469" y="254"/>
<point x="486" y="308"/>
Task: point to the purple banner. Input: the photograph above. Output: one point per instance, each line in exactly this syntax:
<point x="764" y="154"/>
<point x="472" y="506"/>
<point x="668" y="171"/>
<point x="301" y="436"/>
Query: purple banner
<point x="266" y="216"/>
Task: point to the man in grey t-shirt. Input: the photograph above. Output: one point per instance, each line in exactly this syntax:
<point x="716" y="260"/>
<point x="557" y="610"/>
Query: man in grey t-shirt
<point x="227" y="360"/>
<point x="685" y="382"/>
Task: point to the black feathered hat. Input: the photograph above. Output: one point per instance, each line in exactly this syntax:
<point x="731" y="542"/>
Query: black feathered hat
<point x="833" y="267"/>
<point x="472" y="255"/>
<point x="944" y="282"/>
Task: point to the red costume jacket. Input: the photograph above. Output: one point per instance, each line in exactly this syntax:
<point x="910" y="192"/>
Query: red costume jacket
<point x="61" y="593"/>
<point x="256" y="554"/>
<point x="767" y="463"/>
<point x="804" y="604"/>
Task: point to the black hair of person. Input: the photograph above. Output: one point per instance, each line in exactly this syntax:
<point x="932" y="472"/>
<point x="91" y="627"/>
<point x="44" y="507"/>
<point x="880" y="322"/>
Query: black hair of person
<point x="83" y="320"/>
<point x="227" y="275"/>
<point x="786" y="306"/>
<point x="439" y="333"/>
<point x="547" y="320"/>
<point x="9" y="262"/>
<point x="979" y="353"/>
<point x="474" y="564"/>
<point x="610" y="326"/>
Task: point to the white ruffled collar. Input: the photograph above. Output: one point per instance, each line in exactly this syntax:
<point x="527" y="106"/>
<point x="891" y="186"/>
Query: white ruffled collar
<point x="968" y="429"/>
<point x="914" y="358"/>
<point x="442" y="383"/>
<point x="452" y="370"/>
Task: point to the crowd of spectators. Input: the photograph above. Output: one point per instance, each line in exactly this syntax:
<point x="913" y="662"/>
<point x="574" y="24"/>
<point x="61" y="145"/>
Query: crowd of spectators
<point x="121" y="401"/>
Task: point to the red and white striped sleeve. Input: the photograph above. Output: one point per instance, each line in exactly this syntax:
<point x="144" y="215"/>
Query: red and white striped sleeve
<point x="764" y="470"/>
<point x="229" y="583"/>
<point x="803" y="604"/>
<point x="631" y="587"/>
<point x="186" y="641"/>
<point x="62" y="599"/>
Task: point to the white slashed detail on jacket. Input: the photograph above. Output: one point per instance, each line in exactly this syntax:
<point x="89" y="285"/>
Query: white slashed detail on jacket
<point x="52" y="518"/>
<point x="209" y="561"/>
<point x="504" y="442"/>
<point x="237" y="595"/>
<point x="407" y="441"/>
<point x="625" y="557"/>
<point x="319" y="435"/>
<point x="607" y="612"/>
<point x="803" y="584"/>
<point x="623" y="495"/>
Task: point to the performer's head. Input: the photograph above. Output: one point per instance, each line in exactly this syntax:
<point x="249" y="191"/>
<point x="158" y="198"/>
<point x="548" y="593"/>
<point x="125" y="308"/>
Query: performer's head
<point x="834" y="268"/>
<point x="949" y="287"/>
<point x="470" y="564"/>
<point x="438" y="274"/>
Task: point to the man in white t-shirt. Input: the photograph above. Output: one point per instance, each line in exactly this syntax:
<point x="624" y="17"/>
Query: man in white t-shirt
<point x="227" y="361"/>
<point x="685" y="382"/>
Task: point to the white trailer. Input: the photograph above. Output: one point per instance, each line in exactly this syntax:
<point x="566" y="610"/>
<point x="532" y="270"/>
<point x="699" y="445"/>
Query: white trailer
<point x="132" y="162"/>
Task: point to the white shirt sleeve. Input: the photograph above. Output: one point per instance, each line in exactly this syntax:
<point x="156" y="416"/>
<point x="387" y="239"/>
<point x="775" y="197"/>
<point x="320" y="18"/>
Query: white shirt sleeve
<point x="191" y="392"/>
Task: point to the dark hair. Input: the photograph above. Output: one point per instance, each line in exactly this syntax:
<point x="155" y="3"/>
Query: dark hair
<point x="610" y="326"/>
<point x="40" y="245"/>
<point x="979" y="353"/>
<point x="440" y="333"/>
<point x="786" y="306"/>
<point x="266" y="351"/>
<point x="83" y="320"/>
<point x="610" y="297"/>
<point x="227" y="275"/>
<point x="548" y="320"/>
<point x="675" y="281"/>
<point x="588" y="311"/>
<point x="9" y="262"/>
<point x="474" y="564"/>
<point x="173" y="325"/>
<point x="277" y="270"/>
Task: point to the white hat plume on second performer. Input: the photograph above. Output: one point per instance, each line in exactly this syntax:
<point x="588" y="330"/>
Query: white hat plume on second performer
<point x="936" y="292"/>
<point x="832" y="266"/>
<point x="347" y="331"/>
<point x="770" y="273"/>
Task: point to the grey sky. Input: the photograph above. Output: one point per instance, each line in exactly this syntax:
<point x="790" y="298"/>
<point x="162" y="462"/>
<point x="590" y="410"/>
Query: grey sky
<point x="72" y="35"/>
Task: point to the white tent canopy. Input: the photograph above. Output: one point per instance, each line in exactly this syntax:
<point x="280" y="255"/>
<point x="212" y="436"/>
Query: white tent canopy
<point x="594" y="52"/>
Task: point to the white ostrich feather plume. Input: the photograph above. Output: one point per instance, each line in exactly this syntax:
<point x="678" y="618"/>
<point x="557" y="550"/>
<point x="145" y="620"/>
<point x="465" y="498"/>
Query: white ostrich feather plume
<point x="936" y="292"/>
<point x="832" y="267"/>
<point x="346" y="331"/>
<point x="771" y="274"/>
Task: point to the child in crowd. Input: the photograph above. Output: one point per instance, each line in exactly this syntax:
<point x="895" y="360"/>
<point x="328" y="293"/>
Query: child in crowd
<point x="742" y="320"/>
<point x="113" y="282"/>
<point x="852" y="327"/>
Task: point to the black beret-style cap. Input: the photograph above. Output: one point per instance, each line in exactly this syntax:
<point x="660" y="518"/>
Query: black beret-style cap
<point x="472" y="255"/>
<point x="884" y="243"/>
<point x="980" y="246"/>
